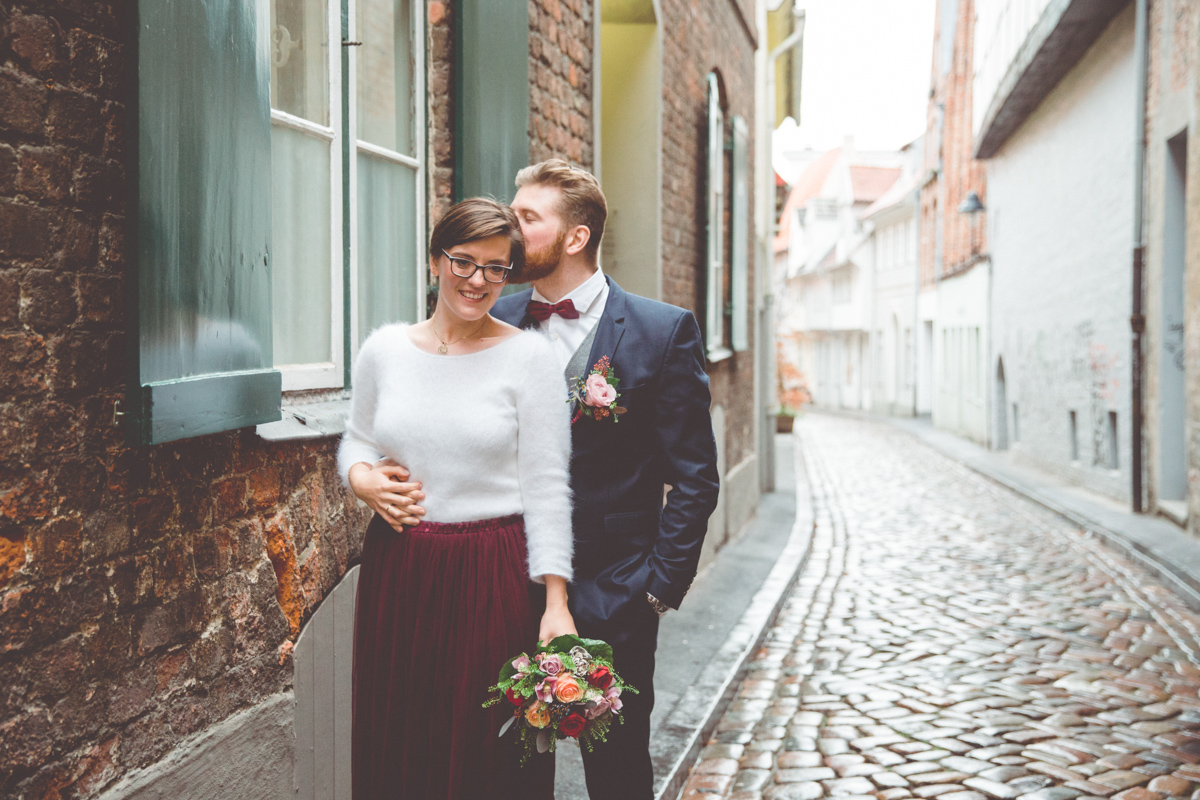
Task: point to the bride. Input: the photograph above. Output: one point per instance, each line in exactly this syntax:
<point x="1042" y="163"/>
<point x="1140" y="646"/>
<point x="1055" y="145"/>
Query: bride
<point x="477" y="408"/>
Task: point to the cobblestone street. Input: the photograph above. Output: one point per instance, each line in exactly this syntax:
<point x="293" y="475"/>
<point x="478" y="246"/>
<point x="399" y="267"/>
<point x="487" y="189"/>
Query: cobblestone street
<point x="948" y="638"/>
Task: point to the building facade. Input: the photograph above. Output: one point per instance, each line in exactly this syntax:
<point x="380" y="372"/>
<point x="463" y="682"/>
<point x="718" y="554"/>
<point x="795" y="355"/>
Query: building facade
<point x="1172" y="262"/>
<point x="826" y="260"/>
<point x="953" y="300"/>
<point x="193" y="242"/>
<point x="1059" y="368"/>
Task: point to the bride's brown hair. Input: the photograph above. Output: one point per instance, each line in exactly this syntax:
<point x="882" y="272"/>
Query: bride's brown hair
<point x="479" y="218"/>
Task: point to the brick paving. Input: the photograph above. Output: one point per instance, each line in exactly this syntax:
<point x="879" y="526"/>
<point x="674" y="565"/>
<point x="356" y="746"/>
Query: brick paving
<point x="950" y="639"/>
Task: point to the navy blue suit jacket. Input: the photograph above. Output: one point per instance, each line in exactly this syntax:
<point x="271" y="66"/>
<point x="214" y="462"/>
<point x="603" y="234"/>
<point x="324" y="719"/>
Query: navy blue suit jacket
<point x="627" y="541"/>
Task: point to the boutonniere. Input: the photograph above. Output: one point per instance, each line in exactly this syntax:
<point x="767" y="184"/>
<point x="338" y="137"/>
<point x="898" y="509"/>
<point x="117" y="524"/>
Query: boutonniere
<point x="596" y="395"/>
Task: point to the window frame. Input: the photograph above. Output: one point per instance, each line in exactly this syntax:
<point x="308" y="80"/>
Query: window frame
<point x="324" y="374"/>
<point x="345" y="146"/>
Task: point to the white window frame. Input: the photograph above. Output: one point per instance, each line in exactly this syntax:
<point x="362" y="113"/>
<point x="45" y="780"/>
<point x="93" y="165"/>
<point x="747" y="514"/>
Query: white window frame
<point x="332" y="374"/>
<point x="417" y="162"/>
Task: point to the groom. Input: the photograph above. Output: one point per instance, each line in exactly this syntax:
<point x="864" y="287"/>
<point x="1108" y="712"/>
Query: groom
<point x="635" y="555"/>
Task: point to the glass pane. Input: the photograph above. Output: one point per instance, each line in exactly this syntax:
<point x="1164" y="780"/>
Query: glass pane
<point x="300" y="58"/>
<point x="387" y="244"/>
<point x="300" y="230"/>
<point x="385" y="74"/>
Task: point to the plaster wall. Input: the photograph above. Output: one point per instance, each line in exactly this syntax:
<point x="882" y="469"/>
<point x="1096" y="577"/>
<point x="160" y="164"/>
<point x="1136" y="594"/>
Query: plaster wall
<point x="1061" y="236"/>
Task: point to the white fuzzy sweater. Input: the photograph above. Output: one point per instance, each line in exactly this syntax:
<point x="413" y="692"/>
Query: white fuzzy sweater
<point x="487" y="434"/>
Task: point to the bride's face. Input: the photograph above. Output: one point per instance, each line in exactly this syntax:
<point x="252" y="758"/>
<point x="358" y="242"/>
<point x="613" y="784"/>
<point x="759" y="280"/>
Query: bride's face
<point x="470" y="298"/>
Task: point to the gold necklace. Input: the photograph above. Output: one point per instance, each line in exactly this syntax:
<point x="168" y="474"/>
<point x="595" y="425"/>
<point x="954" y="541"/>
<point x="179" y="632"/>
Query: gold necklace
<point x="444" y="347"/>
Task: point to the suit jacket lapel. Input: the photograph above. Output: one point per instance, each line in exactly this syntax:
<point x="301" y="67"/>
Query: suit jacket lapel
<point x="611" y="326"/>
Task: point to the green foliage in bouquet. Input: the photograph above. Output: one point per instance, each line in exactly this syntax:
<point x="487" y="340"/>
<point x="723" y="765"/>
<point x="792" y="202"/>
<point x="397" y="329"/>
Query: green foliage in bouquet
<point x="567" y="690"/>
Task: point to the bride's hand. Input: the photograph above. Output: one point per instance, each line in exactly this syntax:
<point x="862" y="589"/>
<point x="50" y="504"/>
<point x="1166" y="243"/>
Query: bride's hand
<point x="557" y="620"/>
<point x="386" y="489"/>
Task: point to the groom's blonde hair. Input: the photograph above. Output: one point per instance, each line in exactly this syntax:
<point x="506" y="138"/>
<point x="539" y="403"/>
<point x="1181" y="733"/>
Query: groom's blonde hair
<point x="582" y="201"/>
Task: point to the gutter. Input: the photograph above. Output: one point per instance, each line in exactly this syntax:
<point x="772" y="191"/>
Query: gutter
<point x="1137" y="318"/>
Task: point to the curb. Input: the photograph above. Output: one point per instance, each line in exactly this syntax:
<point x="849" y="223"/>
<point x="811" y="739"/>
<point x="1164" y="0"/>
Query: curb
<point x="712" y="693"/>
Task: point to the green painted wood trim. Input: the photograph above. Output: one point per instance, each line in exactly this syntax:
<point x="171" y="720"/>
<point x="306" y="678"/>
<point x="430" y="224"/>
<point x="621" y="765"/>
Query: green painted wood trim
<point x="347" y="235"/>
<point x="174" y="410"/>
<point x="739" y="277"/>
<point x="491" y="76"/>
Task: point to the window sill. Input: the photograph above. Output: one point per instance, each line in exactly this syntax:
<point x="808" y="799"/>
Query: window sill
<point x="719" y="354"/>
<point x="307" y="420"/>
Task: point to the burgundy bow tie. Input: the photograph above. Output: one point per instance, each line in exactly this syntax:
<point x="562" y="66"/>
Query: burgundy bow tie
<point x="543" y="311"/>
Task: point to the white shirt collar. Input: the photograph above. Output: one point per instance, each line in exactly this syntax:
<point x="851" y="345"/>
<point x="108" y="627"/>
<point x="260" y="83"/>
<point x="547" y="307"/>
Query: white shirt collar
<point x="582" y="295"/>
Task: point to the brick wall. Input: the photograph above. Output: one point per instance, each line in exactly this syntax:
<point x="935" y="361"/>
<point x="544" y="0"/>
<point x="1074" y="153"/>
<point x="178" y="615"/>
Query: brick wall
<point x="144" y="593"/>
<point x="948" y="143"/>
<point x="716" y="39"/>
<point x="962" y="238"/>
<point x="561" y="34"/>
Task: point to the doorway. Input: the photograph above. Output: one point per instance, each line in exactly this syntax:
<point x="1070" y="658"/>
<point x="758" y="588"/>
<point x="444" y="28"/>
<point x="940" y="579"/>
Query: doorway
<point x="1172" y="438"/>
<point x="629" y="152"/>
<point x="1001" y="407"/>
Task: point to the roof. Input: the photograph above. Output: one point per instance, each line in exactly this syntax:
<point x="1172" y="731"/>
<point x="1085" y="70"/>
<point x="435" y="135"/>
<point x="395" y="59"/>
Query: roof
<point x="807" y="187"/>
<point x="870" y="183"/>
<point x="899" y="192"/>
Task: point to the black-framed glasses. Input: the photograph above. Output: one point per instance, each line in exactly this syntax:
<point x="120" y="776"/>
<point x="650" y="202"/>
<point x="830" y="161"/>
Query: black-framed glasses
<point x="465" y="268"/>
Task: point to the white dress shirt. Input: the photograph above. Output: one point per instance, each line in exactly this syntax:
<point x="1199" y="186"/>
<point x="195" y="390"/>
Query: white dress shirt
<point x="566" y="335"/>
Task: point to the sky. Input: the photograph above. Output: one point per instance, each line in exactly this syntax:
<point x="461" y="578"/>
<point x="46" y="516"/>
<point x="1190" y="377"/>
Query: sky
<point x="866" y="73"/>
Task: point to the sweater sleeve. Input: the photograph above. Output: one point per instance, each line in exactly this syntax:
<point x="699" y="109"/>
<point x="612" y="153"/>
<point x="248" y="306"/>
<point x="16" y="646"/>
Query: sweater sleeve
<point x="358" y="442"/>
<point x="543" y="462"/>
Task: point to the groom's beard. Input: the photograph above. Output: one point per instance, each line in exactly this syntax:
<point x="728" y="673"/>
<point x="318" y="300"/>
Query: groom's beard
<point x="540" y="263"/>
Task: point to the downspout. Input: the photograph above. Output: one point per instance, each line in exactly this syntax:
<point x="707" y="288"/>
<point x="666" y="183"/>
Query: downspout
<point x="917" y="327"/>
<point x="1137" y="319"/>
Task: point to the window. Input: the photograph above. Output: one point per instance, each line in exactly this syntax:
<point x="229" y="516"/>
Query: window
<point x="1113" y="461"/>
<point x="714" y="316"/>
<point x="344" y="263"/>
<point x="907" y="364"/>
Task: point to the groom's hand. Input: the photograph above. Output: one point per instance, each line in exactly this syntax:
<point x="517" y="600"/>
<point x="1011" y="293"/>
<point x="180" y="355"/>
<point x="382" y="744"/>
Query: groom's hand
<point x="385" y="488"/>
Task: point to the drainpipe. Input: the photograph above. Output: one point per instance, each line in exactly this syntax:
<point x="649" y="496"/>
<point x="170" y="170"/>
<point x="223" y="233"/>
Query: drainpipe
<point x="1137" y="319"/>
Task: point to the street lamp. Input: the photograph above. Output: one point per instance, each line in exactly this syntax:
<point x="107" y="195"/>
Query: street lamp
<point x="972" y="205"/>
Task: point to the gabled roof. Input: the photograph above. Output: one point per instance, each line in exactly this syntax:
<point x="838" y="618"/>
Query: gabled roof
<point x="900" y="191"/>
<point x="807" y="187"/>
<point x="870" y="183"/>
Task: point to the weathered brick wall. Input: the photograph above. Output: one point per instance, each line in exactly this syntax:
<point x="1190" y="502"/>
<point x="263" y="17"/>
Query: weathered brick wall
<point x="561" y="34"/>
<point x="716" y="39"/>
<point x="439" y="112"/>
<point x="962" y="237"/>
<point x="144" y="593"/>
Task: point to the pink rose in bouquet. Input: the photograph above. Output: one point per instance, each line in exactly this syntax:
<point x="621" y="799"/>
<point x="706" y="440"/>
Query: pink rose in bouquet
<point x="550" y="663"/>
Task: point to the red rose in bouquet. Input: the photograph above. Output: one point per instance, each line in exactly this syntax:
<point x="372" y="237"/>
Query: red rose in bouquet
<point x="600" y="677"/>
<point x="513" y="697"/>
<point x="572" y="725"/>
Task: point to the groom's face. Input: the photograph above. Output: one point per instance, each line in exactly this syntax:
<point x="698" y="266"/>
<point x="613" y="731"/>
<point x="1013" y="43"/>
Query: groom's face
<point x="544" y="231"/>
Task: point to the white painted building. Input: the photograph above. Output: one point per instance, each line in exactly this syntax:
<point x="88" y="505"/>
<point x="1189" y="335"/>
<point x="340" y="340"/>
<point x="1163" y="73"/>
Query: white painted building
<point x="891" y="226"/>
<point x="825" y="262"/>
<point x="1054" y="119"/>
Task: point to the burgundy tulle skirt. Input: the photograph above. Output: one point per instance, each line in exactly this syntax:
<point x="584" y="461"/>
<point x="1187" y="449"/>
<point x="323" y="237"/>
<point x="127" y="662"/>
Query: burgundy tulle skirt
<point x="440" y="606"/>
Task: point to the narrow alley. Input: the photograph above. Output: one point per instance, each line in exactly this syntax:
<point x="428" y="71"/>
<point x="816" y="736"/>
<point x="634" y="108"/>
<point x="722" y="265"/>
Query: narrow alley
<point x="948" y="638"/>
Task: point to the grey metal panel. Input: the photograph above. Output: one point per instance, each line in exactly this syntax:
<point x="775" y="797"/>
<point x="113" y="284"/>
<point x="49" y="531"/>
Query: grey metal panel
<point x="323" y="698"/>
<point x="324" y="658"/>
<point x="306" y="732"/>
<point x="492" y="96"/>
<point x="203" y="286"/>
<point x="739" y="268"/>
<point x="343" y="688"/>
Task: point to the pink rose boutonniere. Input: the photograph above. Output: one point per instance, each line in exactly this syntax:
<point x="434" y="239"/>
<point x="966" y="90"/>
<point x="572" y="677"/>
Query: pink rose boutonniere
<point x="596" y="395"/>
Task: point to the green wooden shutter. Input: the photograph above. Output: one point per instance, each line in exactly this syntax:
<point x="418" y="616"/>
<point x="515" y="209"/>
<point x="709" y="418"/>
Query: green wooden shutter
<point x="714" y="316"/>
<point x="201" y="311"/>
<point x="739" y="273"/>
<point x="492" y="96"/>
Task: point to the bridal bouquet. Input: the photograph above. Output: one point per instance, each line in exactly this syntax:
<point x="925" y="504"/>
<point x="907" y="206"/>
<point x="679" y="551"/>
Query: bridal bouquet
<point x="567" y="690"/>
